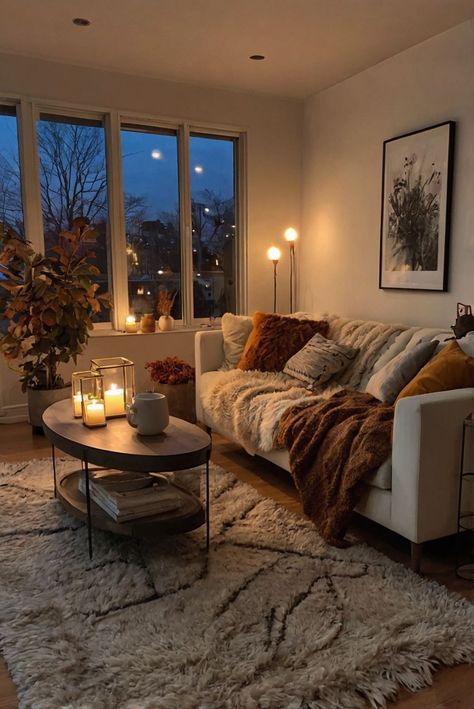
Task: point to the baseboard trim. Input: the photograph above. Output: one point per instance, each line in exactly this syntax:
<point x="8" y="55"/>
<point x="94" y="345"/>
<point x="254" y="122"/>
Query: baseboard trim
<point x="16" y="413"/>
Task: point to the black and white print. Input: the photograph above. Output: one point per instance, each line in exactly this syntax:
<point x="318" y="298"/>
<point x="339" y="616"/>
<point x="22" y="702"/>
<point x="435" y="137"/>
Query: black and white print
<point x="416" y="197"/>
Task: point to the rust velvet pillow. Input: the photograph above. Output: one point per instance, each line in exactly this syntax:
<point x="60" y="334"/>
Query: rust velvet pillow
<point x="450" y="369"/>
<point x="275" y="338"/>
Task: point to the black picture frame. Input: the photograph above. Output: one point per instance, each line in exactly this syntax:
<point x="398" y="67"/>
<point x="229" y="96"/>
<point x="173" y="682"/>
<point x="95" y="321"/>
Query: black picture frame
<point x="417" y="182"/>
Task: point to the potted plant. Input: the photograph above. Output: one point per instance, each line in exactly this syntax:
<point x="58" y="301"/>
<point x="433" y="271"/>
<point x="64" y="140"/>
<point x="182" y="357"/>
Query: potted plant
<point x="174" y="378"/>
<point x="48" y="302"/>
<point x="164" y="305"/>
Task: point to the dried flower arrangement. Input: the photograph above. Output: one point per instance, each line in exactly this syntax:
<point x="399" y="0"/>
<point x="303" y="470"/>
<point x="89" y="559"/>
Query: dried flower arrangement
<point x="165" y="302"/>
<point x="170" y="370"/>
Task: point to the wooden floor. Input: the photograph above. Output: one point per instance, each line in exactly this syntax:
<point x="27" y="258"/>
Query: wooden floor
<point x="453" y="688"/>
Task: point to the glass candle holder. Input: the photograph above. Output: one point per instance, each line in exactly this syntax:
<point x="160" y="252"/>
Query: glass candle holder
<point x="118" y="374"/>
<point x="93" y="404"/>
<point x="131" y="324"/>
<point x="76" y="392"/>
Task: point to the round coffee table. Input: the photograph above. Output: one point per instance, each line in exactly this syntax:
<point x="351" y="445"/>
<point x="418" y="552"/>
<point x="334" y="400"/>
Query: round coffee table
<point x="182" y="445"/>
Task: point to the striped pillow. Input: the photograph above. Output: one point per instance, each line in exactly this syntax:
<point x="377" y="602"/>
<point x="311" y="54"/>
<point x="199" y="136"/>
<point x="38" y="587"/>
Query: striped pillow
<point x="319" y="360"/>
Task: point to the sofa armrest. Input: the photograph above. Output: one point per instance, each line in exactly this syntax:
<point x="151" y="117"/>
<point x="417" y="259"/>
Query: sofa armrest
<point x="426" y="453"/>
<point x="208" y="356"/>
<point x="209" y="351"/>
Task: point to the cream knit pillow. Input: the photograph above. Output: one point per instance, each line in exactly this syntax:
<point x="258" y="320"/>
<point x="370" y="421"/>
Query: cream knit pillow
<point x="235" y="330"/>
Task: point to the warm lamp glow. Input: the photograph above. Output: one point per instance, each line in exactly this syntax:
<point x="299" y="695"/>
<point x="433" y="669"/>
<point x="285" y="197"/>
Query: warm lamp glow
<point x="291" y="234"/>
<point x="273" y="253"/>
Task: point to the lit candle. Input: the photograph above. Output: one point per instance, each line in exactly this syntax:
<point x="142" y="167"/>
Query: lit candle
<point x="77" y="403"/>
<point x="94" y="414"/>
<point x="114" y="401"/>
<point x="131" y="324"/>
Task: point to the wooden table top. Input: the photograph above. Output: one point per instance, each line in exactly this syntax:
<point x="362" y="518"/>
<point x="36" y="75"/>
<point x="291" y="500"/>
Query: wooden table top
<point x="118" y="445"/>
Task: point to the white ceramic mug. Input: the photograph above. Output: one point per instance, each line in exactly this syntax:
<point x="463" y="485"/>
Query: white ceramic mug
<point x="148" y="413"/>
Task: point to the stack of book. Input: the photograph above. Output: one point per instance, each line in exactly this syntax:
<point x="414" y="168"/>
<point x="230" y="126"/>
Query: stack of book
<point x="126" y="497"/>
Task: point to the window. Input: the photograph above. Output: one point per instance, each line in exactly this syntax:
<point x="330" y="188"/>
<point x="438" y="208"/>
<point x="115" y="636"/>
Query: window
<point x="11" y="208"/>
<point x="214" y="229"/>
<point x="152" y="224"/>
<point x="73" y="182"/>
<point x="161" y="197"/>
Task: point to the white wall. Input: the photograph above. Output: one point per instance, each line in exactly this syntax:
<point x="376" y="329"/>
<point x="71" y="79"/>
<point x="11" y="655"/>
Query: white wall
<point x="345" y="127"/>
<point x="273" y="128"/>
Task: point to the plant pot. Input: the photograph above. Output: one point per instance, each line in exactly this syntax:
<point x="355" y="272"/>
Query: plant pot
<point x="40" y="399"/>
<point x="166" y="322"/>
<point x="181" y="400"/>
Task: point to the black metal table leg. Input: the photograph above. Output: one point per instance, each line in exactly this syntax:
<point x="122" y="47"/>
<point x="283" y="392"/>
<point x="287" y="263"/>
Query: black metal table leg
<point x="88" y="501"/>
<point x="208" y="506"/>
<point x="54" y="467"/>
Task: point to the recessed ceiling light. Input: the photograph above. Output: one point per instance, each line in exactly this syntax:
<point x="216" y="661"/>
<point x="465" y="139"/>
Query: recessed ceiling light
<point x="156" y="154"/>
<point x="81" y="22"/>
<point x="257" y="57"/>
<point x="199" y="169"/>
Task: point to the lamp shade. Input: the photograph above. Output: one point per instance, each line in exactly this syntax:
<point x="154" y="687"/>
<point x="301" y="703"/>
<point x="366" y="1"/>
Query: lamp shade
<point x="291" y="234"/>
<point x="273" y="253"/>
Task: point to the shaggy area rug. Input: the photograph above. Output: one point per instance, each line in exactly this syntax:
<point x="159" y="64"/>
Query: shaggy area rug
<point x="270" y="617"/>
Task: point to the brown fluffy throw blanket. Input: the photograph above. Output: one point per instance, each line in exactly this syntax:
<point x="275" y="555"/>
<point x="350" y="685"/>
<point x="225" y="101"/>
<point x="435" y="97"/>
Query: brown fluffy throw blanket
<point x="334" y="445"/>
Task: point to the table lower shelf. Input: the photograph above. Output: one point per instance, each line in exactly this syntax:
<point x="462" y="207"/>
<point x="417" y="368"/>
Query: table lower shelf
<point x="189" y="516"/>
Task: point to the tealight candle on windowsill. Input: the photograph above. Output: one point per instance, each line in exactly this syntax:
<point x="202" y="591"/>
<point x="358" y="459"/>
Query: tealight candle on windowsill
<point x="114" y="401"/>
<point x="94" y="413"/>
<point x="131" y="324"/>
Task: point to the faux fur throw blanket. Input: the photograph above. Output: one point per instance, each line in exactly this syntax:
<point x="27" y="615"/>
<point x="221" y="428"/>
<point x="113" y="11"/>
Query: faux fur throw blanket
<point x="249" y="405"/>
<point x="333" y="446"/>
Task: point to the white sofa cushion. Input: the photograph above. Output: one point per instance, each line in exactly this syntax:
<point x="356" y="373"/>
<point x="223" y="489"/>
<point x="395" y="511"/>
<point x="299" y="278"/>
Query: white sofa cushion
<point x="387" y="383"/>
<point x="235" y="330"/>
<point x="382" y="478"/>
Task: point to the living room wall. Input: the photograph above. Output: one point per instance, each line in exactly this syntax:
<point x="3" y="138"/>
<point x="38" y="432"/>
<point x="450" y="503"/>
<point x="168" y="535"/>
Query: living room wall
<point x="344" y="129"/>
<point x="273" y="128"/>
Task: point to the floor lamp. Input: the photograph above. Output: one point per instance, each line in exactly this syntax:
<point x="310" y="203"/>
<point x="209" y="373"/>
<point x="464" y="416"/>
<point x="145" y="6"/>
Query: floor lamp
<point x="291" y="235"/>
<point x="273" y="255"/>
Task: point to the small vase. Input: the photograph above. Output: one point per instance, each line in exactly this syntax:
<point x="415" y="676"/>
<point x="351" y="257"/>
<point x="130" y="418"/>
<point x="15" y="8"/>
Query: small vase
<point x="147" y="323"/>
<point x="166" y="322"/>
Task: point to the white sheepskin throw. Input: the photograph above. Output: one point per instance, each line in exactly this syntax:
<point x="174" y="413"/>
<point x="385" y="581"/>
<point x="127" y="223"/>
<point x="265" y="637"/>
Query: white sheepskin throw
<point x="250" y="404"/>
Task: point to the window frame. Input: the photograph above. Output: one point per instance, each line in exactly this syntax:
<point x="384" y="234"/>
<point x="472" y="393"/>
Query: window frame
<point x="29" y="110"/>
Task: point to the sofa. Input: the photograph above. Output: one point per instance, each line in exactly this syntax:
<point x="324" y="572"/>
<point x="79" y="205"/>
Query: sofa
<point x="415" y="492"/>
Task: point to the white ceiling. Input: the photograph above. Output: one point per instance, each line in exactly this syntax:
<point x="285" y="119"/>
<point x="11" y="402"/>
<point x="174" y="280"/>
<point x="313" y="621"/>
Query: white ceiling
<point x="309" y="44"/>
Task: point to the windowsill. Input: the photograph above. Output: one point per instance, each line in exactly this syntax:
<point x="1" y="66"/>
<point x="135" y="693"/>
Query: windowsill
<point x="176" y="330"/>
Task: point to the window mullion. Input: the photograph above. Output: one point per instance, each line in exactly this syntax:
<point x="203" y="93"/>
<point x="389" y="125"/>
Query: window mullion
<point x="29" y="167"/>
<point x="241" y="215"/>
<point x="118" y="245"/>
<point x="186" y="227"/>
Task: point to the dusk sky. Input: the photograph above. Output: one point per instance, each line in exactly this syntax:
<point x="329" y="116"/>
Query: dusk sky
<point x="156" y="179"/>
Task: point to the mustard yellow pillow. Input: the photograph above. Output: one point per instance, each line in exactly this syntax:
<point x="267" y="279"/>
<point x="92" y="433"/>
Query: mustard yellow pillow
<point x="450" y="369"/>
<point x="276" y="338"/>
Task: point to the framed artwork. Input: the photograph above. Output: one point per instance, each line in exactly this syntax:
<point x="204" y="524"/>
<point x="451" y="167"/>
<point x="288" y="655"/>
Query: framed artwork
<point x="417" y="179"/>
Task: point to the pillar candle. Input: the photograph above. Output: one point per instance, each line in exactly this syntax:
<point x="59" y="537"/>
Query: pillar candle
<point x="114" y="402"/>
<point x="94" y="414"/>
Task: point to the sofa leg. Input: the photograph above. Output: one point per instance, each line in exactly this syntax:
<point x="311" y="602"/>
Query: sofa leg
<point x="416" y="553"/>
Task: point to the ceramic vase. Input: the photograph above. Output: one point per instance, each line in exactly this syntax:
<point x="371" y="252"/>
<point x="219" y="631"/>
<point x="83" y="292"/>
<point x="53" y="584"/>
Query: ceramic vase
<point x="147" y="323"/>
<point x="166" y="322"/>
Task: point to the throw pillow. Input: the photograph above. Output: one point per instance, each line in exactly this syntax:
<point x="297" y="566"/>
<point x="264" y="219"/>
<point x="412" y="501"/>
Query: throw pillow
<point x="319" y="360"/>
<point x="235" y="330"/>
<point x="466" y="343"/>
<point x="387" y="383"/>
<point x="275" y="338"/>
<point x="450" y="369"/>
